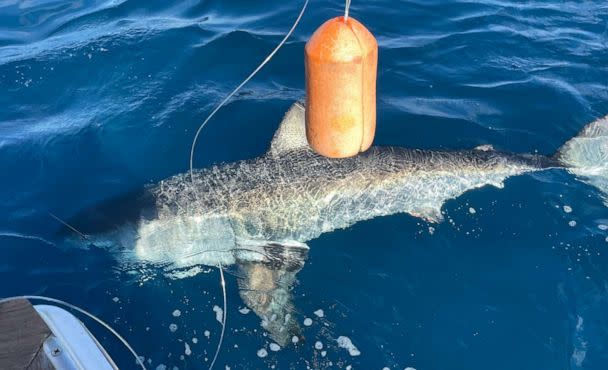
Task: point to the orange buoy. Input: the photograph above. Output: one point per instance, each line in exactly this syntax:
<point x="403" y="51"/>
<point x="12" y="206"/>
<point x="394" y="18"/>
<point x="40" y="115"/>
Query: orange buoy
<point x="341" y="60"/>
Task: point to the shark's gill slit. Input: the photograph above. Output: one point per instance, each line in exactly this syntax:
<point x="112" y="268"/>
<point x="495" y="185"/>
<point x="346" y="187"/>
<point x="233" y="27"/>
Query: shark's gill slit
<point x="237" y="275"/>
<point x="196" y="135"/>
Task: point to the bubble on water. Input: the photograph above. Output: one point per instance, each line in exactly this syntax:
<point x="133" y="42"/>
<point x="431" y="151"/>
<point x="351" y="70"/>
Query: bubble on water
<point x="207" y="333"/>
<point x="115" y="299"/>
<point x="319" y="313"/>
<point x="472" y="210"/>
<point x="187" y="349"/>
<point x="409" y="368"/>
<point x="606" y="239"/>
<point x="323" y="353"/>
<point x="572" y="223"/>
<point x="173" y="328"/>
<point x="274" y="347"/>
<point x="386" y="368"/>
<point x="194" y="340"/>
<point x="295" y="339"/>
<point x="161" y="367"/>
<point x="177" y="313"/>
<point x="602" y="227"/>
<point x="318" y="345"/>
<point x="347" y="344"/>
<point x="219" y="313"/>
<point x="244" y="310"/>
<point x="567" y="209"/>
<point x="307" y="322"/>
<point x="431" y="230"/>
<point x="262" y="353"/>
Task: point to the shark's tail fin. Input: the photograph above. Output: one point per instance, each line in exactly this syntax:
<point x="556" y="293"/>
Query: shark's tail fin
<point x="586" y="155"/>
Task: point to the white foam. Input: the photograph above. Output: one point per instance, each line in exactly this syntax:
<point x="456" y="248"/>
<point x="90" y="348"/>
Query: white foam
<point x="318" y="345"/>
<point x="472" y="210"/>
<point x="602" y="227"/>
<point x="173" y="328"/>
<point x="295" y="339"/>
<point x="580" y="344"/>
<point x="182" y="274"/>
<point x="194" y="340"/>
<point x="567" y="209"/>
<point x="244" y="310"/>
<point x="319" y="313"/>
<point x="187" y="349"/>
<point x="262" y="353"/>
<point x="572" y="223"/>
<point x="207" y="333"/>
<point x="177" y="313"/>
<point x="274" y="347"/>
<point x="219" y="313"/>
<point x="347" y="344"/>
<point x="307" y="321"/>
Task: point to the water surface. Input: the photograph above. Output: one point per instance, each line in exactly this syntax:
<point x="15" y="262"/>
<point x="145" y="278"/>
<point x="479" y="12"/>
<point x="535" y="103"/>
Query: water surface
<point x="101" y="97"/>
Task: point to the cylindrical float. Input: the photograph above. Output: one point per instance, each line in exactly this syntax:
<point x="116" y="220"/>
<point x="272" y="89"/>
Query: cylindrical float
<point x="341" y="60"/>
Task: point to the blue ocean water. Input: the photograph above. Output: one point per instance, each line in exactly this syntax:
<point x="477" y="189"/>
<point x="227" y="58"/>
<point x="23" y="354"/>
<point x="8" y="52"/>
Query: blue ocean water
<point x="101" y="97"/>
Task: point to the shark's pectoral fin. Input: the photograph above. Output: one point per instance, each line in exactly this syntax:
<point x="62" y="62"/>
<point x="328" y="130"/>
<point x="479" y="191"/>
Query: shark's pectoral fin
<point x="267" y="272"/>
<point x="291" y="134"/>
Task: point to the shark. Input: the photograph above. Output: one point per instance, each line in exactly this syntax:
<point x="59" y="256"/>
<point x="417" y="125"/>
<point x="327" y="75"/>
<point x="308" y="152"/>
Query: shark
<point x="258" y="214"/>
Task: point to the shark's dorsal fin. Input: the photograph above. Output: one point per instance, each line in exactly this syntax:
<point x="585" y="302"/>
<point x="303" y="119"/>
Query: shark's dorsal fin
<point x="291" y="134"/>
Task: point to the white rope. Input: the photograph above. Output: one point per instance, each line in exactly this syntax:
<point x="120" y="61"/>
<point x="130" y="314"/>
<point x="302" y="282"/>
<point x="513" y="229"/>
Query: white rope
<point x="90" y="315"/>
<point x="241" y="85"/>
<point x="219" y="343"/>
<point x="346" y="7"/>
<point x="198" y="132"/>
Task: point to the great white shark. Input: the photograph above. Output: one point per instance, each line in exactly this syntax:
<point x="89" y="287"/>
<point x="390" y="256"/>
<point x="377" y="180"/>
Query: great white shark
<point x="258" y="214"/>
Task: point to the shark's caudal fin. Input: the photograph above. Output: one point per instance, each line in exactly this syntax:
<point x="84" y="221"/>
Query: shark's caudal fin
<point x="586" y="155"/>
<point x="291" y="134"/>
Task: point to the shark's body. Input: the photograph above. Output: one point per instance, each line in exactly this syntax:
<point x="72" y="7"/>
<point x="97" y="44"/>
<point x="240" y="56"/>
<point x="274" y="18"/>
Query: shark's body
<point x="259" y="213"/>
<point x="294" y="194"/>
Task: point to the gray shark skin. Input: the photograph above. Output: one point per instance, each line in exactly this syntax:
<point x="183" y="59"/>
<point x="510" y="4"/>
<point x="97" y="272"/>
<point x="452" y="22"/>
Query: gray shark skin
<point x="257" y="214"/>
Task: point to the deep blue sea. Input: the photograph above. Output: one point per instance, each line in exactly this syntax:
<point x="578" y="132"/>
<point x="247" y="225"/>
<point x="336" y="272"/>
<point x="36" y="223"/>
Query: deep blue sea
<point x="99" y="98"/>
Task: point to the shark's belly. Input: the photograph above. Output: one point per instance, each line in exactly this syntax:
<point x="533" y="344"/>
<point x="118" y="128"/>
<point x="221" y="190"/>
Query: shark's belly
<point x="306" y="211"/>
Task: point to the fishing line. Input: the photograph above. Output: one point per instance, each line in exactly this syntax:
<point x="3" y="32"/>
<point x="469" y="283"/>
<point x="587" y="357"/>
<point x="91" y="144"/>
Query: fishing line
<point x="82" y="235"/>
<point x="222" y="103"/>
<point x="219" y="343"/>
<point x="90" y="315"/>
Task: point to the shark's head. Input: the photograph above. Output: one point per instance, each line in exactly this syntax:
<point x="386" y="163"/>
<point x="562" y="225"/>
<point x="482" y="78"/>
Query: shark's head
<point x="186" y="241"/>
